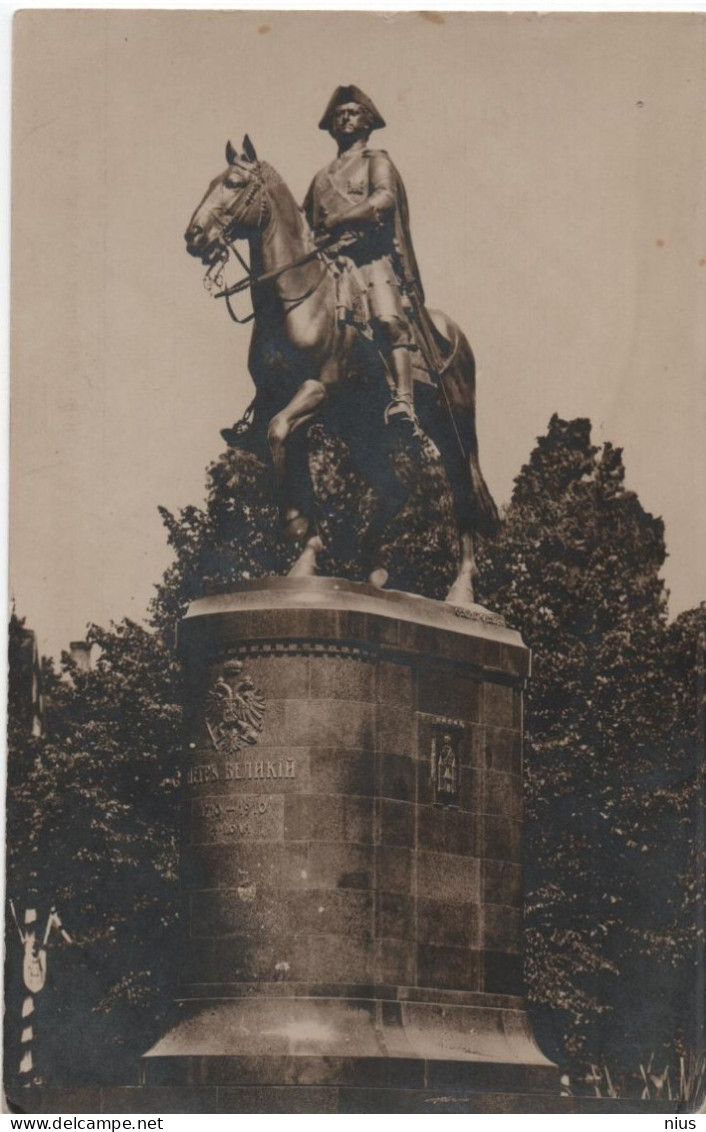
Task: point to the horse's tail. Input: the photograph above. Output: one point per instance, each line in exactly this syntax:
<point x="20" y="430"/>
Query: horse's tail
<point x="487" y="519"/>
<point x="458" y="402"/>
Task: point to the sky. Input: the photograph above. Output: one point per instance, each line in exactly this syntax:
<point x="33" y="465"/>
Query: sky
<point x="555" y="169"/>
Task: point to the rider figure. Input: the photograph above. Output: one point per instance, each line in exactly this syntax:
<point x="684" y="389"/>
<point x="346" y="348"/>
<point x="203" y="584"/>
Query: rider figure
<point x="360" y="196"/>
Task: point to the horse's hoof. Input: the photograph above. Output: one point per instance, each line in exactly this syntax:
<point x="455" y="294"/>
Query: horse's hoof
<point x="246" y="440"/>
<point x="378" y="578"/>
<point x="305" y="565"/>
<point x="461" y="593"/>
<point x="296" y="527"/>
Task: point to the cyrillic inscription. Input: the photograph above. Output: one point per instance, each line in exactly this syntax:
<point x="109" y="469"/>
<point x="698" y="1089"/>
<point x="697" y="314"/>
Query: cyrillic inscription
<point x="202" y="773"/>
<point x="238" y="817"/>
<point x="249" y="769"/>
<point x="261" y="768"/>
<point x="482" y="615"/>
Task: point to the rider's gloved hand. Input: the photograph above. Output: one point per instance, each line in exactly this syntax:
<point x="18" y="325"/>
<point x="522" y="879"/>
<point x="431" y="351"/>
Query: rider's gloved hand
<point x="338" y="239"/>
<point x="333" y="221"/>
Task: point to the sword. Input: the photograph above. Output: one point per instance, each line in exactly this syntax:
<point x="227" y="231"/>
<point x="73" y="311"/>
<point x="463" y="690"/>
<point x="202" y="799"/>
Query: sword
<point x="430" y="354"/>
<point x="426" y="342"/>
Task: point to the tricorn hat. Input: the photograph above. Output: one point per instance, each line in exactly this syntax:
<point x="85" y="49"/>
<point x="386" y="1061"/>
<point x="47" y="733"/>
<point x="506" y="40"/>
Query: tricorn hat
<point x="351" y="93"/>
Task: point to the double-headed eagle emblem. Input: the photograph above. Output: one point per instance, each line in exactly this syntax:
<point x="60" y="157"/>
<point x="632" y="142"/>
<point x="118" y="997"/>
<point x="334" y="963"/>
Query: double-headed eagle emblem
<point x="234" y="709"/>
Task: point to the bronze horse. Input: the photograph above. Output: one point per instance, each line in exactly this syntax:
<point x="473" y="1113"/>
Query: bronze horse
<point x="301" y="359"/>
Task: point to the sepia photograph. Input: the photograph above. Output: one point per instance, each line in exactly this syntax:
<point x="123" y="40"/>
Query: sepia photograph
<point x="357" y="544"/>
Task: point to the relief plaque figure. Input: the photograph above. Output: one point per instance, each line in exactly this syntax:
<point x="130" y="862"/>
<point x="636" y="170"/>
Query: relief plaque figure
<point x="445" y="765"/>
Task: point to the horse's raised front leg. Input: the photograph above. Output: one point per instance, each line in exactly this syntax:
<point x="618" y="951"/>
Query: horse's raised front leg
<point x="461" y="592"/>
<point x="303" y="407"/>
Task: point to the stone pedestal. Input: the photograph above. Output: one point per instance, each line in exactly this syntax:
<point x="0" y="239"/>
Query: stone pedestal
<point x="352" y="856"/>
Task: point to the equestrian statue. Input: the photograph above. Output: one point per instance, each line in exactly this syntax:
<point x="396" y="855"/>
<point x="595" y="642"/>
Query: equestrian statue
<point x="341" y="332"/>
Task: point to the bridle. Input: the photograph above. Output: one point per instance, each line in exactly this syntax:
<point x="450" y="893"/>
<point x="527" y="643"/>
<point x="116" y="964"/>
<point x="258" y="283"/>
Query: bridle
<point x="257" y="192"/>
<point x="218" y="280"/>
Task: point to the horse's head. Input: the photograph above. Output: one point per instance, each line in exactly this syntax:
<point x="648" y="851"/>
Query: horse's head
<point x="234" y="206"/>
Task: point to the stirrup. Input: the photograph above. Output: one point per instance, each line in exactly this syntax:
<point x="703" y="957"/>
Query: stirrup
<point x="245" y="433"/>
<point x="400" y="411"/>
<point x="234" y="435"/>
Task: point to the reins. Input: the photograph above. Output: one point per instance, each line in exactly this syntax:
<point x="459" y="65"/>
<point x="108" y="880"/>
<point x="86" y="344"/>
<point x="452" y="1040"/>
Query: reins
<point x="249" y="280"/>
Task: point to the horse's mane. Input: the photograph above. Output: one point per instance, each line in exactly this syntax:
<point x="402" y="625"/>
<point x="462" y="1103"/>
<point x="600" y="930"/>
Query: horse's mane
<point x="276" y="185"/>
<point x="270" y="177"/>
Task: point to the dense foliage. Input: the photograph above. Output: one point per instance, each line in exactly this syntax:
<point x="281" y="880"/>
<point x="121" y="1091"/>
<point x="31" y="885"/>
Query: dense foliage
<point x="92" y="828"/>
<point x="612" y="756"/>
<point x="613" y="771"/>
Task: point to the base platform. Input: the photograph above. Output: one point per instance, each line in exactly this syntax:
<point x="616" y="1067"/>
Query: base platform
<point x="352" y="855"/>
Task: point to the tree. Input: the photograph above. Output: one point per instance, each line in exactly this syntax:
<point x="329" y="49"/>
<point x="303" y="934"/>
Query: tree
<point x="92" y="829"/>
<point x="609" y="788"/>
